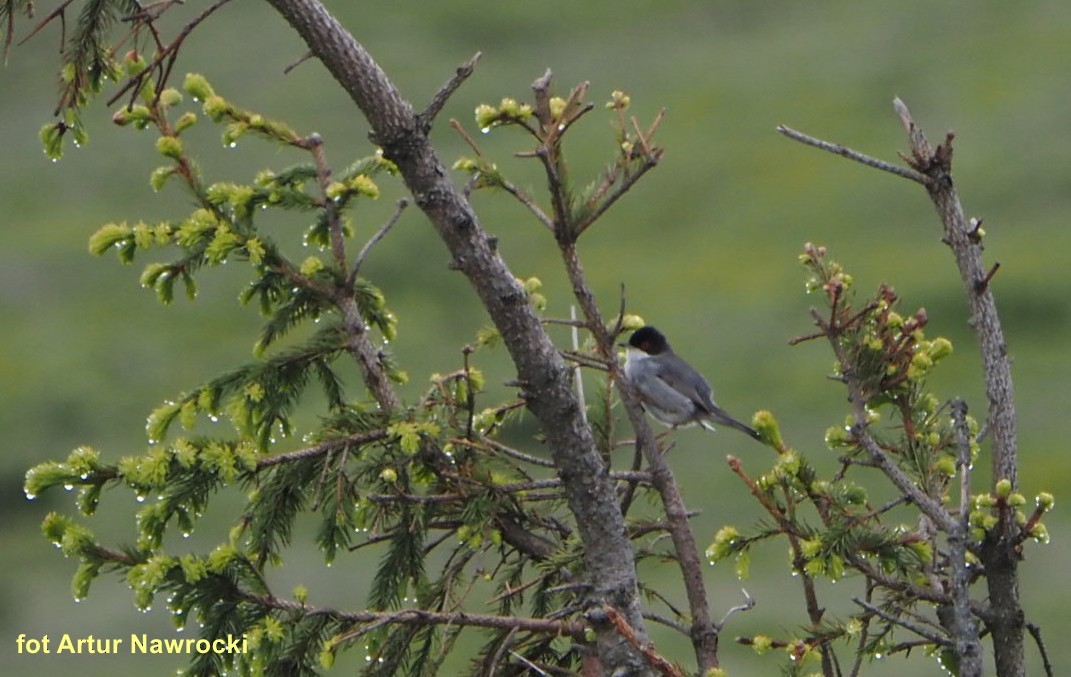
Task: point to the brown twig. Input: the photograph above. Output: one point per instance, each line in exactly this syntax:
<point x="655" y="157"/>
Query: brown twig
<point x="165" y="59"/>
<point x="656" y="661"/>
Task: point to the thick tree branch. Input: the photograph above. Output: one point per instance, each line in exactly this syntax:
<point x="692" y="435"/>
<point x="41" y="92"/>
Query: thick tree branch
<point x="545" y="375"/>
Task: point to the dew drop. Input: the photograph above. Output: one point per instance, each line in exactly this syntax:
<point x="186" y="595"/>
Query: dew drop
<point x="30" y="497"/>
<point x="485" y="130"/>
<point x="140" y="498"/>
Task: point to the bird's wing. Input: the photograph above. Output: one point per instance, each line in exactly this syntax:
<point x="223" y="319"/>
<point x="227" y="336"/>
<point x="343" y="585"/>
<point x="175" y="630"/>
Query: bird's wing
<point x="679" y="375"/>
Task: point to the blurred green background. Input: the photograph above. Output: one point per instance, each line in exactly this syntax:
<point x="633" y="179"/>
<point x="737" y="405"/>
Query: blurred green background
<point x="706" y="245"/>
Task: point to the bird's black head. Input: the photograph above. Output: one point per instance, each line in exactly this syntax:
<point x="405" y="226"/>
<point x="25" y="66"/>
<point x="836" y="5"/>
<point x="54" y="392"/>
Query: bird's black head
<point x="649" y="340"/>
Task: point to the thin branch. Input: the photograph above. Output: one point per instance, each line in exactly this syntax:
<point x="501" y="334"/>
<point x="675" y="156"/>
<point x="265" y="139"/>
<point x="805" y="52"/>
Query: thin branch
<point x="439" y="100"/>
<point x="1035" y="632"/>
<point x="58" y="13"/>
<point x="929" y="506"/>
<point x="578" y="373"/>
<point x="357" y="439"/>
<point x="668" y="622"/>
<point x="424" y="617"/>
<point x="916" y="628"/>
<point x="168" y="55"/>
<point x="374" y="240"/>
<point x="748" y="605"/>
<point x="315" y="145"/>
<point x="528" y="202"/>
<point x="846" y="152"/>
<point x="656" y="661"/>
<point x="302" y="59"/>
<point x="517" y="454"/>
<point x="649" y="162"/>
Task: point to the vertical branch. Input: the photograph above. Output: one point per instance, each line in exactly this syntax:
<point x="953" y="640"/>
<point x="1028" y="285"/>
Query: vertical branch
<point x="964" y="626"/>
<point x="999" y="550"/>
<point x="962" y="237"/>
<point x="703" y="631"/>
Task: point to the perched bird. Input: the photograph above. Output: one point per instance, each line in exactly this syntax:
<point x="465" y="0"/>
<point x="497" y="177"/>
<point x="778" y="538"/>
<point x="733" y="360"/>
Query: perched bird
<point x="670" y="389"/>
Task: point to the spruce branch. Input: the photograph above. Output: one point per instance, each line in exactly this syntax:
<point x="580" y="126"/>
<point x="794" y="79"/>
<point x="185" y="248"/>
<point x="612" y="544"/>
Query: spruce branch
<point x="326" y="447"/>
<point x="932" y="167"/>
<point x="425" y="617"/>
<point x="166" y="56"/>
<point x="549" y="395"/>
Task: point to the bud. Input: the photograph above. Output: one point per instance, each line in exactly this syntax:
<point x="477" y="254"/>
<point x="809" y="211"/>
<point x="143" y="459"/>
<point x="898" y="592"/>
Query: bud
<point x="619" y="100"/>
<point x="557" y="107"/>
<point x="1004" y="488"/>
<point x="766" y="425"/>
<point x="761" y="644"/>
<point x="389" y="475"/>
<point x="188" y="119"/>
<point x="159" y="177"/>
<point x="364" y="185"/>
<point x="133" y="63"/>
<point x="197" y="86"/>
<point x="170" y="97"/>
<point x="940" y="348"/>
<point x="946" y="465"/>
<point x="1040" y="533"/>
<point x="486" y="115"/>
<point x="169" y="146"/>
<point x="1045" y="501"/>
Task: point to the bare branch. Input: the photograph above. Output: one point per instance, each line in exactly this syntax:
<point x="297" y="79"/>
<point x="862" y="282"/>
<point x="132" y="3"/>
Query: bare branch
<point x="302" y="59"/>
<point x="846" y="152"/>
<point x="748" y="605"/>
<point x="439" y="100"/>
<point x="374" y="240"/>
<point x="1035" y="632"/>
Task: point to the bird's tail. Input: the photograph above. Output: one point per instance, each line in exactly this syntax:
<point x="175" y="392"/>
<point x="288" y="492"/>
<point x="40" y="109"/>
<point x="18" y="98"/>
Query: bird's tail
<point x="719" y="415"/>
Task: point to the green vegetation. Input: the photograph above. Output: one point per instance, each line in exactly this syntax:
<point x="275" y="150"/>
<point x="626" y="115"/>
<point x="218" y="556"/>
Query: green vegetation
<point x="706" y="245"/>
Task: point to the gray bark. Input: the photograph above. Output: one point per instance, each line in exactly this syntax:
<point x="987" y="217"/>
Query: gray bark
<point x="546" y="377"/>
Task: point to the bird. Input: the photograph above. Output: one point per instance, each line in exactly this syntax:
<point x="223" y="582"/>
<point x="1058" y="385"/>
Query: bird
<point x="671" y="390"/>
